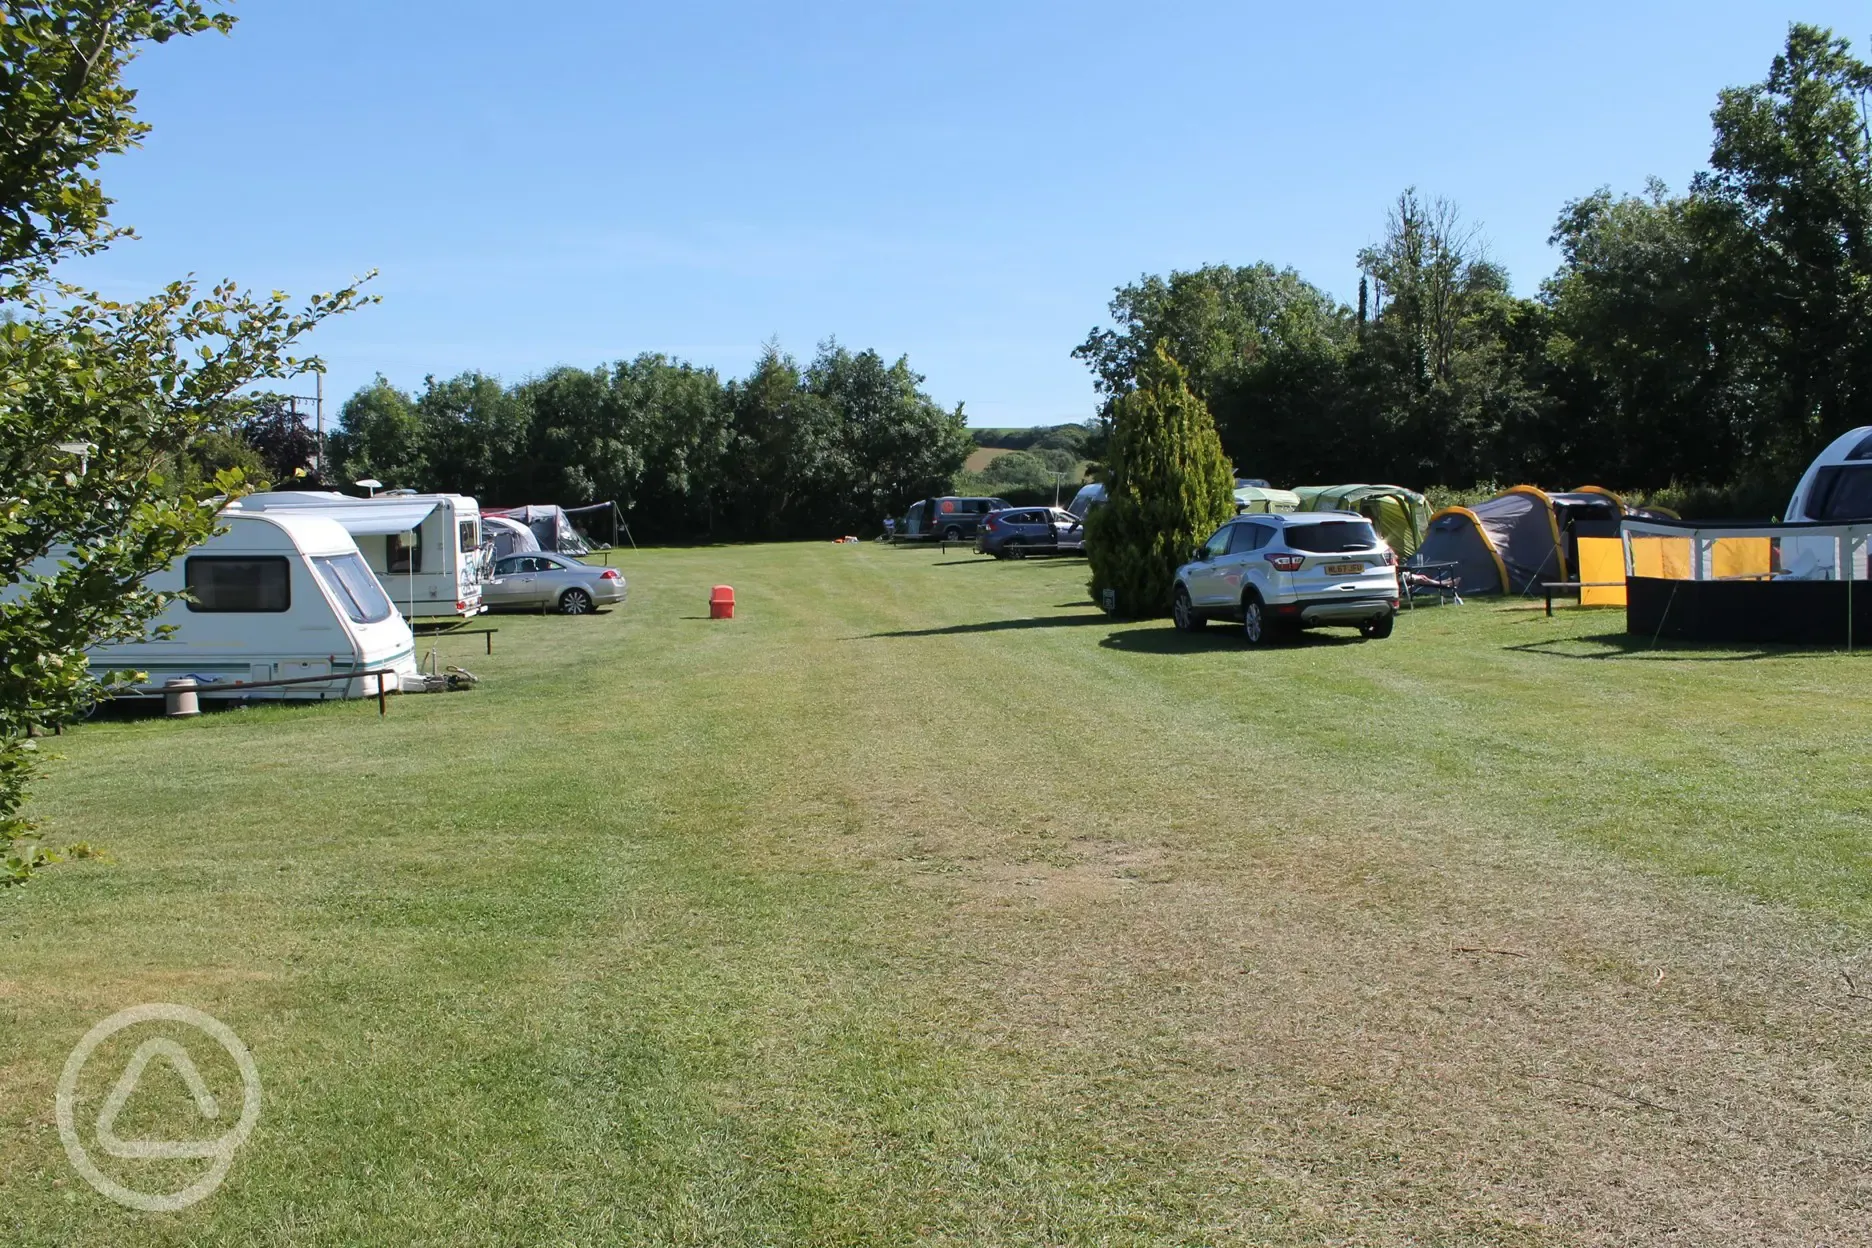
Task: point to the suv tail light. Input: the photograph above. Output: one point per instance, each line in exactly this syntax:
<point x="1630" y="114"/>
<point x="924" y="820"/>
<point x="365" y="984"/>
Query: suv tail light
<point x="1286" y="563"/>
<point x="992" y="523"/>
<point x="609" y="574"/>
<point x="1389" y="559"/>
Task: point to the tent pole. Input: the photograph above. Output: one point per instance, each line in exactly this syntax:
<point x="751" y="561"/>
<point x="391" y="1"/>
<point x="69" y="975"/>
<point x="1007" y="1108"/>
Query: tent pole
<point x="1842" y="557"/>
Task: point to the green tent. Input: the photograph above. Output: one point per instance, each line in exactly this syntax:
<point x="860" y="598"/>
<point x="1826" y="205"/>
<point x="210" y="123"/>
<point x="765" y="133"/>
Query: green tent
<point x="1401" y="516"/>
<point x="1264" y="498"/>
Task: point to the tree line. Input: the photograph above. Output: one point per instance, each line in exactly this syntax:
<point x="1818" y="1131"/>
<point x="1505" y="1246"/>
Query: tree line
<point x="826" y="448"/>
<point x="1711" y="341"/>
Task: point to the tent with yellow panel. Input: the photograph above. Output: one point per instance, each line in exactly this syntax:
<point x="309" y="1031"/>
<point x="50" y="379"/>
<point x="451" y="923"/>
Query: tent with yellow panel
<point x="1522" y="538"/>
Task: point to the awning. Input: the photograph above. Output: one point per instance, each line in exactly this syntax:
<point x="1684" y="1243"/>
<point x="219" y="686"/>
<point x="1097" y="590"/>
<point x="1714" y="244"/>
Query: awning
<point x="364" y="519"/>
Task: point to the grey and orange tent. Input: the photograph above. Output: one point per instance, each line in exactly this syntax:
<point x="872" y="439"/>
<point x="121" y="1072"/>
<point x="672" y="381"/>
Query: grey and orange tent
<point x="1519" y="539"/>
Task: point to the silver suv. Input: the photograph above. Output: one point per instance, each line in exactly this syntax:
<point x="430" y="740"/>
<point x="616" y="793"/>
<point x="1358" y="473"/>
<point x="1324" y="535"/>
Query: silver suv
<point x="1276" y="573"/>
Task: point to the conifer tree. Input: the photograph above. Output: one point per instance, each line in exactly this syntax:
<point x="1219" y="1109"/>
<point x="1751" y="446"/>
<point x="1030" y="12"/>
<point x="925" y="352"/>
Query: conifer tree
<point x="1167" y="484"/>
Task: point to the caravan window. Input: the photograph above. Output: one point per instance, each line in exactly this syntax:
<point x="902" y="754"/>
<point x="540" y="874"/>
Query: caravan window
<point x="402" y="556"/>
<point x="470" y="536"/>
<point x="230" y="583"/>
<point x="1843" y="493"/>
<point x="352" y="586"/>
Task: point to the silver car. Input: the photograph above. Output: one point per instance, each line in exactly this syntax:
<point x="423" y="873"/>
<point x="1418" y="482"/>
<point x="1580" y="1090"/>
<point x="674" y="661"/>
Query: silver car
<point x="1279" y="573"/>
<point x="544" y="581"/>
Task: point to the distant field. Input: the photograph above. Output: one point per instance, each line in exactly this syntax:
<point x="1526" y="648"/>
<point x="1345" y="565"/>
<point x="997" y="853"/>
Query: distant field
<point x="982" y="456"/>
<point x="922" y="904"/>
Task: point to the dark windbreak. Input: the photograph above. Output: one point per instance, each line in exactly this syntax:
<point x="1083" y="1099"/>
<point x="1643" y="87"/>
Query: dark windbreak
<point x="1331" y="535"/>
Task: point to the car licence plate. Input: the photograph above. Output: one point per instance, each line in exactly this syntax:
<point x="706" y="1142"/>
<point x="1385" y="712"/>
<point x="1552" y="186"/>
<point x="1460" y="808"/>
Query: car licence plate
<point x="1344" y="569"/>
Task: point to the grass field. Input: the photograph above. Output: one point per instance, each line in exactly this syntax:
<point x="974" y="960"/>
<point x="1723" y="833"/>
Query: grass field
<point x="922" y="904"/>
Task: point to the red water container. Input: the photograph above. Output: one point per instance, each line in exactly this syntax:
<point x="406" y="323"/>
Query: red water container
<point x="721" y="603"/>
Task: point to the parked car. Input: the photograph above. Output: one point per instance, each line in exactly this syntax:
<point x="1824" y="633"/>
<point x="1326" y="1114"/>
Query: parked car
<point x="1277" y="573"/>
<point x="1021" y="531"/>
<point x="543" y="580"/>
<point x="952" y="518"/>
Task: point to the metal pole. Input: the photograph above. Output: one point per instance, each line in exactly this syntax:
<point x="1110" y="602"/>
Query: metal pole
<point x="319" y="410"/>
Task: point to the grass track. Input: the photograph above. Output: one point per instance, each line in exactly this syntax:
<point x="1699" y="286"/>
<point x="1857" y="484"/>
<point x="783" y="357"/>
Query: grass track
<point x="921" y="903"/>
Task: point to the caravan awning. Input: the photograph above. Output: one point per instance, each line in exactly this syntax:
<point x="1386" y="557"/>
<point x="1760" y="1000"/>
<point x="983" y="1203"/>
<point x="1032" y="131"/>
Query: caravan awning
<point x="361" y="519"/>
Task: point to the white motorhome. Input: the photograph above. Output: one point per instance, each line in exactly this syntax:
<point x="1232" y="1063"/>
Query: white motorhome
<point x="424" y="548"/>
<point x="276" y="597"/>
<point x="1835" y="489"/>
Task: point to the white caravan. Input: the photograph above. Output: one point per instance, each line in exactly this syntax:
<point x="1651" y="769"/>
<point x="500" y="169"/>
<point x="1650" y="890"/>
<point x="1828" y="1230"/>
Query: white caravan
<point x="1837" y="486"/>
<point x="277" y="597"/>
<point x="424" y="548"/>
<point x="1835" y="489"/>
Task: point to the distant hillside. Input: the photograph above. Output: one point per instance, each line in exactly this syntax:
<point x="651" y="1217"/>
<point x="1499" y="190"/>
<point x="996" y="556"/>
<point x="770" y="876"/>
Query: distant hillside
<point x="1038" y="437"/>
<point x="980" y="458"/>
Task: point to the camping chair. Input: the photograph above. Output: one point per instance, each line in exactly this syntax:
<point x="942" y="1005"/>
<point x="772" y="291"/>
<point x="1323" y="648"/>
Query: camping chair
<point x="1424" y="578"/>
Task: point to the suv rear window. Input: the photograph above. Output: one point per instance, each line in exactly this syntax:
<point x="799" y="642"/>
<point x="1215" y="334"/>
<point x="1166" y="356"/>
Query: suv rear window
<point x="1331" y="535"/>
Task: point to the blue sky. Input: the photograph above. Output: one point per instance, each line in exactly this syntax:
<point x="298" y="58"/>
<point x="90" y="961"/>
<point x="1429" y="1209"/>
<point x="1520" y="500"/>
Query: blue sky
<point x="962" y="182"/>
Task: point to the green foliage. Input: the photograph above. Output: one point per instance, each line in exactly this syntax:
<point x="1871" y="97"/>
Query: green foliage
<point x="1072" y="439"/>
<point x="1712" y="341"/>
<point x="1785" y="212"/>
<point x="1441" y="496"/>
<point x="1752" y="499"/>
<point x="212" y="453"/>
<point x="1632" y="292"/>
<point x="1168" y="487"/>
<point x="1018" y="470"/>
<point x="63" y="108"/>
<point x="473" y="431"/>
<point x="789" y="451"/>
<point x="132" y="386"/>
<point x="379" y="437"/>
